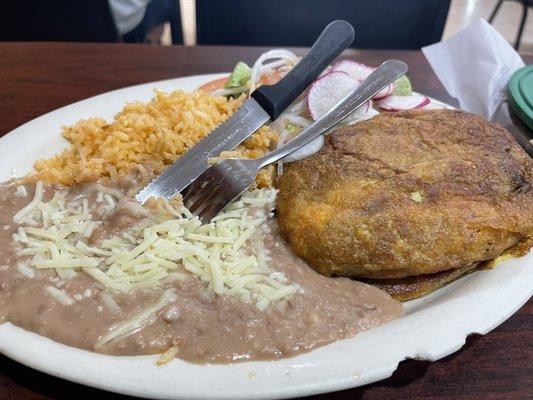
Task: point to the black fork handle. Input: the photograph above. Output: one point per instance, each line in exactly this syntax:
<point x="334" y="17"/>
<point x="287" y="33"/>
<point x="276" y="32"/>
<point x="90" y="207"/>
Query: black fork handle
<point x="274" y="99"/>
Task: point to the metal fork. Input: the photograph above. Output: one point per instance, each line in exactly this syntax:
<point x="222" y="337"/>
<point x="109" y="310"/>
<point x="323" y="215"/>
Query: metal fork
<point x="223" y="182"/>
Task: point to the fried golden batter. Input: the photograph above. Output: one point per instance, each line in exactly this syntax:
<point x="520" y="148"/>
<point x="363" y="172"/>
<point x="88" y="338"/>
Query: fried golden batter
<point x="411" y="287"/>
<point x="409" y="193"/>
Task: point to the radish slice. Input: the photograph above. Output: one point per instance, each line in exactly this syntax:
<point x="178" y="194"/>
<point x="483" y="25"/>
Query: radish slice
<point x="327" y="91"/>
<point x="386" y="91"/>
<point x="361" y="114"/>
<point x="355" y="70"/>
<point x="434" y="106"/>
<point x="400" y="103"/>
<point x="360" y="72"/>
<point x="325" y="72"/>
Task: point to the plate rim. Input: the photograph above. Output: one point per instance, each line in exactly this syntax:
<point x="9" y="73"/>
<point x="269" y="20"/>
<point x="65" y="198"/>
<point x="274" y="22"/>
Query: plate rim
<point x="52" y="367"/>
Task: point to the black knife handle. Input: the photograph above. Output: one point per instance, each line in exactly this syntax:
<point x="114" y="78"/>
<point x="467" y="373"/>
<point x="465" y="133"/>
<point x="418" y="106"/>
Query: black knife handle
<point x="274" y="99"/>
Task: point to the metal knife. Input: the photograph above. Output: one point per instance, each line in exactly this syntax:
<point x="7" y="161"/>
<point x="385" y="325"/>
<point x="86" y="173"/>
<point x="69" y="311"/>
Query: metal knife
<point x="265" y="104"/>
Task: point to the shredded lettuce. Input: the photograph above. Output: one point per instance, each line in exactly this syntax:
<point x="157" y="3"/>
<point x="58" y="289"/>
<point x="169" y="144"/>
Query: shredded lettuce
<point x="240" y="76"/>
<point x="403" y="87"/>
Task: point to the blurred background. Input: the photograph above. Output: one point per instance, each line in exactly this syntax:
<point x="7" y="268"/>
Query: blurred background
<point x="392" y="24"/>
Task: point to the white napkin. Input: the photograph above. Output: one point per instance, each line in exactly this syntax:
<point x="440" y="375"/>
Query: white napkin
<point x="474" y="66"/>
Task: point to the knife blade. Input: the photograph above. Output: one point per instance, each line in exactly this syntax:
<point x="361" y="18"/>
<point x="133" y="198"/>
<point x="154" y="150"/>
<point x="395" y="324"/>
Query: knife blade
<point x="264" y="104"/>
<point x="248" y="118"/>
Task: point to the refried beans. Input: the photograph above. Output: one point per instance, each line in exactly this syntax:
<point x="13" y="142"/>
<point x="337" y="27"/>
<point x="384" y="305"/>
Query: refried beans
<point x="205" y="326"/>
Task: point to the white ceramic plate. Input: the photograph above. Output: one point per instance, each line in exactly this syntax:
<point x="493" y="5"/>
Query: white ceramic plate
<point x="431" y="327"/>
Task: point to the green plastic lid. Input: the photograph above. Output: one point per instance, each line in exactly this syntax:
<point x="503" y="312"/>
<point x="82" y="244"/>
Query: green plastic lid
<point x="520" y="94"/>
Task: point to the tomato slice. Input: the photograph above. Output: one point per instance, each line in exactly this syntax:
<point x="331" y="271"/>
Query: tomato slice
<point x="211" y="86"/>
<point x="273" y="77"/>
<point x="268" y="79"/>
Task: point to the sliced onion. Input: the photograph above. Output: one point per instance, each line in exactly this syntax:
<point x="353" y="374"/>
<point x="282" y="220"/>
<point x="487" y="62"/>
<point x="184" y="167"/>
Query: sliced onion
<point x="230" y="91"/>
<point x="260" y="67"/>
<point x="400" y="103"/>
<point x="308" y="150"/>
<point x="298" y="120"/>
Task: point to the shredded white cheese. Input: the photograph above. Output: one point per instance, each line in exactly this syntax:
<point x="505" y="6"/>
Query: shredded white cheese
<point x="25" y="269"/>
<point x="168" y="355"/>
<point x="21" y="191"/>
<point x="227" y="254"/>
<point x="140" y="320"/>
<point x="29" y="209"/>
<point x="60" y="296"/>
<point x="111" y="304"/>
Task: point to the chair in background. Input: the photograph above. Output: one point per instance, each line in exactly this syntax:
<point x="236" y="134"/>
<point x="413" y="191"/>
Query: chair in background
<point x="380" y="24"/>
<point x="525" y="6"/>
<point x="57" y="20"/>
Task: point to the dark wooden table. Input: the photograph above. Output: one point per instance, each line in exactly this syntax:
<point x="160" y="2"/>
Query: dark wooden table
<point x="37" y="78"/>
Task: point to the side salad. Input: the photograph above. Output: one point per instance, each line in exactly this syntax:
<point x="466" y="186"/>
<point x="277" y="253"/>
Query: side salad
<point x="328" y="89"/>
